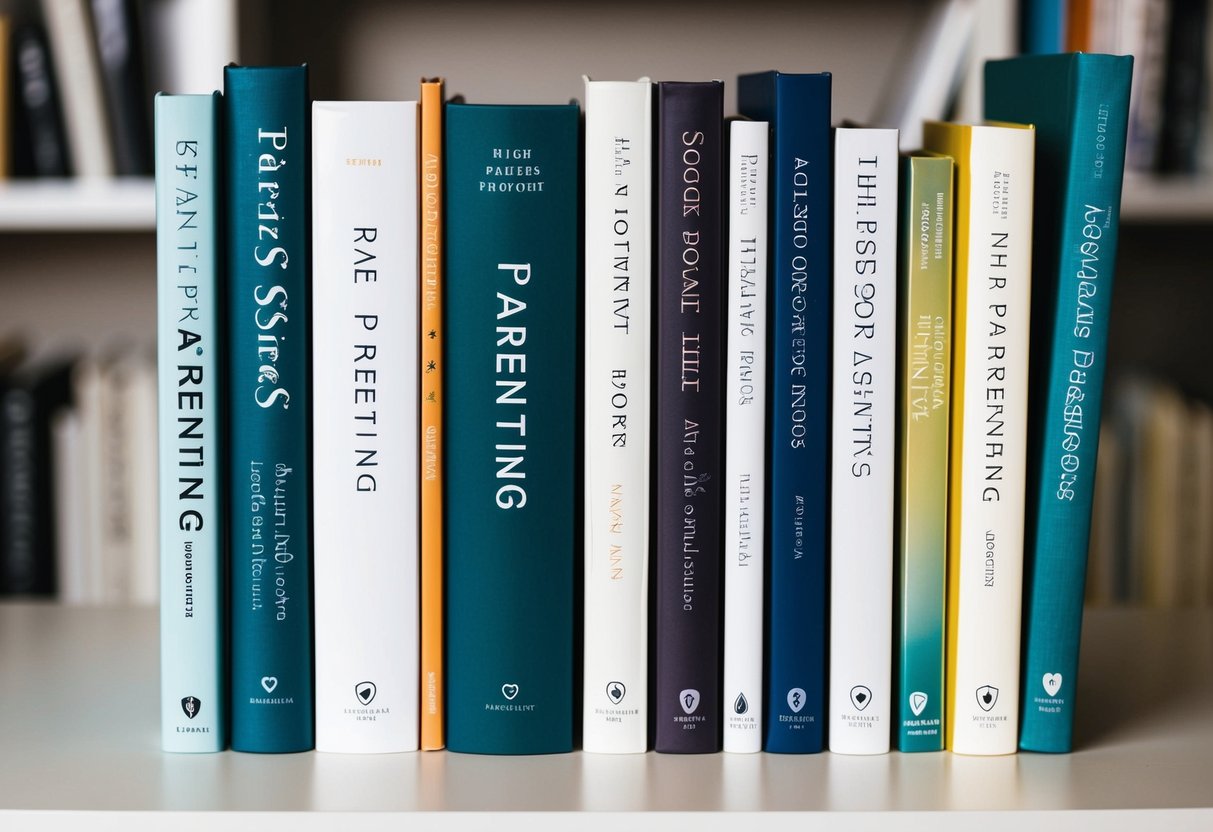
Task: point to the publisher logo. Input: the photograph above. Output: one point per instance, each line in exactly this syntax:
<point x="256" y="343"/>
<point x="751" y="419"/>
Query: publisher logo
<point x="509" y="691"/>
<point x="740" y="705"/>
<point x="861" y="696"/>
<point x="365" y="691"/>
<point x="796" y="699"/>
<point x="918" y="702"/>
<point x="689" y="700"/>
<point x="987" y="697"/>
<point x="269" y="683"/>
<point x="1052" y="683"/>
<point x="191" y="705"/>
<point x="615" y="691"/>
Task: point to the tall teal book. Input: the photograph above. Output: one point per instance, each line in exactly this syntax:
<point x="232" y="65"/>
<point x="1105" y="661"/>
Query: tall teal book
<point x="193" y="693"/>
<point x="1079" y="105"/>
<point x="513" y="269"/>
<point x="268" y="266"/>
<point x="798" y="504"/>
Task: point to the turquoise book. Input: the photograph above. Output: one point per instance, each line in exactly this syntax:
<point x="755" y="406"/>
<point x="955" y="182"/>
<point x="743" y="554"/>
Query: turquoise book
<point x="513" y="273"/>
<point x="268" y="265"/>
<point x="193" y="694"/>
<point x="1079" y="106"/>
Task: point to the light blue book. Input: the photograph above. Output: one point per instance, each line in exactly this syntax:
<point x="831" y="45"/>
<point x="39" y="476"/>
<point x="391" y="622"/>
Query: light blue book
<point x="192" y="687"/>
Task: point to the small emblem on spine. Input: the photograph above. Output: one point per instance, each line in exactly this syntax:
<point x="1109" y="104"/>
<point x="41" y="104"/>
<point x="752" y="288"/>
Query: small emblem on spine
<point x="191" y="705"/>
<point x="1052" y="683"/>
<point x="918" y="701"/>
<point x="509" y="691"/>
<point x="796" y="699"/>
<point x="615" y="692"/>
<point x="987" y="697"/>
<point x="861" y="696"/>
<point x="740" y="705"/>
<point x="689" y="700"/>
<point x="365" y="691"/>
<point x="269" y="683"/>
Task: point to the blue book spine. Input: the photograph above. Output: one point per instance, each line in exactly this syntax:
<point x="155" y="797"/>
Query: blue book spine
<point x="1079" y="106"/>
<point x="268" y="262"/>
<point x="1042" y="26"/>
<point x="193" y="696"/>
<point x="798" y="108"/>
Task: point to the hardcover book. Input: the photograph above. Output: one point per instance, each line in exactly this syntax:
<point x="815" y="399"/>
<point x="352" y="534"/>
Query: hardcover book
<point x="433" y="395"/>
<point x="618" y="287"/>
<point x="1079" y="106"/>
<point x="745" y="436"/>
<point x="119" y="42"/>
<point x="39" y="146"/>
<point x="861" y="482"/>
<point x="193" y="690"/>
<point x="924" y="372"/>
<point x="364" y="432"/>
<point x="798" y="109"/>
<point x="78" y="73"/>
<point x="689" y="415"/>
<point x="988" y="429"/>
<point x="268" y="279"/>
<point x="511" y="349"/>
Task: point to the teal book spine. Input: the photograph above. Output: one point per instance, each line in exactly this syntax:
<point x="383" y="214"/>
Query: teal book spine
<point x="1079" y="106"/>
<point x="193" y="694"/>
<point x="267" y="160"/>
<point x="511" y="413"/>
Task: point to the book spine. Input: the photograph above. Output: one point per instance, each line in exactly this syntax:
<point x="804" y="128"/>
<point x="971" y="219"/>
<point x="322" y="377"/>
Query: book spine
<point x="364" y="435"/>
<point x="618" y="269"/>
<point x="988" y="436"/>
<point x="689" y="415"/>
<point x="267" y="159"/>
<point x="864" y="384"/>
<point x="193" y="693"/>
<point x="925" y="374"/>
<point x="19" y="544"/>
<point x="41" y="136"/>
<point x="745" y="436"/>
<point x="432" y="371"/>
<point x="119" y="41"/>
<point x="78" y="73"/>
<point x="6" y="89"/>
<point x="513" y="263"/>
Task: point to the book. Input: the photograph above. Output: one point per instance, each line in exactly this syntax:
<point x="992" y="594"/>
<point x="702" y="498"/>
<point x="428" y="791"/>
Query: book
<point x="924" y="370"/>
<point x="745" y="435"/>
<point x="192" y="534"/>
<point x="118" y="34"/>
<point x="798" y="109"/>
<point x="6" y="87"/>
<point x="862" y="457"/>
<point x="513" y="262"/>
<point x="189" y="42"/>
<point x="433" y="397"/>
<point x="988" y="429"/>
<point x="1079" y="106"/>
<point x="138" y="394"/>
<point x="617" y="429"/>
<point x="266" y="154"/>
<point x="688" y="419"/>
<point x="365" y="450"/>
<point x="1185" y="89"/>
<point x="39" y="146"/>
<point x="1042" y="26"/>
<point x="78" y="75"/>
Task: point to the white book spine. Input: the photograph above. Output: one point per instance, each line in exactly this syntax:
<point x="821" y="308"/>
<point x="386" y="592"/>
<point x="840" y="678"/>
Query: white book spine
<point x="992" y="442"/>
<point x="864" y="458"/>
<point x="78" y="74"/>
<point x="618" y="246"/>
<point x="142" y="467"/>
<point x="745" y="437"/>
<point x="365" y="429"/>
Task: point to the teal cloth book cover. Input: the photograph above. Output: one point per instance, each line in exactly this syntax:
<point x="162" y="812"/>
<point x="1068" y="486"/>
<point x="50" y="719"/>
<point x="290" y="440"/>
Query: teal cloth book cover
<point x="512" y="342"/>
<point x="268" y="262"/>
<point x="1079" y="105"/>
<point x="193" y="694"/>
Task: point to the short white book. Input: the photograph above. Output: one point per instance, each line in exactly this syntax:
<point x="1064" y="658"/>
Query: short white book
<point x="365" y="425"/>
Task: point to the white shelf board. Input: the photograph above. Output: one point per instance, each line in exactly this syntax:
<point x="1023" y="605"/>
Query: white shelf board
<point x="124" y="204"/>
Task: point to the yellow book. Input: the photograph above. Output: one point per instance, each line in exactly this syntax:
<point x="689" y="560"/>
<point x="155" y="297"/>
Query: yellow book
<point x="432" y="694"/>
<point x="988" y="429"/>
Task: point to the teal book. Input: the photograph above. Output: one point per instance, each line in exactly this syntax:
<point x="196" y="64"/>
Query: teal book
<point x="267" y="160"/>
<point x="513" y="272"/>
<point x="193" y="693"/>
<point x="1079" y="106"/>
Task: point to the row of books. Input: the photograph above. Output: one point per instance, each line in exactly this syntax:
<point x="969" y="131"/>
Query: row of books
<point x="764" y="386"/>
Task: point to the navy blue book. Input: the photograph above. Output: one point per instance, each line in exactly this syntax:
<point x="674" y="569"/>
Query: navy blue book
<point x="689" y="417"/>
<point x="268" y="268"/>
<point x="798" y="109"/>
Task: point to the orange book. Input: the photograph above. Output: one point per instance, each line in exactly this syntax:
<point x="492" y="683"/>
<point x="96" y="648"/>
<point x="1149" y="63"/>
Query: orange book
<point x="432" y="680"/>
<point x="1080" y="26"/>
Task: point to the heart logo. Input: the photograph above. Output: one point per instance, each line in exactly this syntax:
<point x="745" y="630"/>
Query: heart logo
<point x="615" y="692"/>
<point x="269" y="683"/>
<point x="918" y="702"/>
<point x="796" y="699"/>
<point x="861" y="696"/>
<point x="1052" y="683"/>
<point x="987" y="697"/>
<point x="689" y="700"/>
<point x="509" y="691"/>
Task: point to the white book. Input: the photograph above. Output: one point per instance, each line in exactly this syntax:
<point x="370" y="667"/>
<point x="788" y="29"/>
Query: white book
<point x="365" y="350"/>
<point x="78" y="76"/>
<point x="618" y="280"/>
<point x="142" y="468"/>
<point x="71" y="495"/>
<point x="864" y="457"/>
<point x="88" y="393"/>
<point x="189" y="42"/>
<point x="745" y="435"/>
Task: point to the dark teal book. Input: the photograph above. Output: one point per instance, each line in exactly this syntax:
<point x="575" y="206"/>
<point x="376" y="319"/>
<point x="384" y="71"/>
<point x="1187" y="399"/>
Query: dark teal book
<point x="268" y="266"/>
<point x="513" y="272"/>
<point x="798" y="501"/>
<point x="1079" y="106"/>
